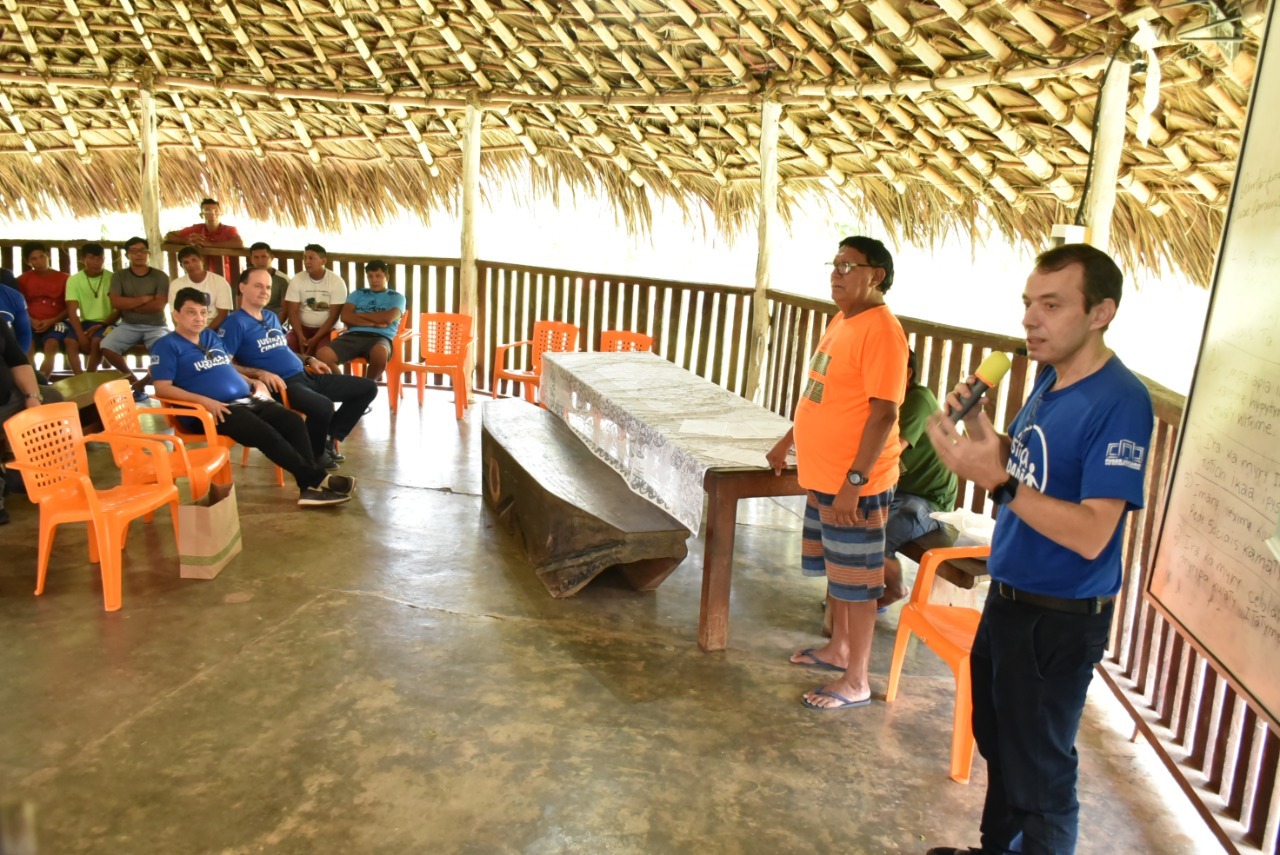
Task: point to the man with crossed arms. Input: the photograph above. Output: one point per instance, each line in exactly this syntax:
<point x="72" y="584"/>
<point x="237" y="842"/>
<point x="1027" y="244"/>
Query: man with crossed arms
<point x="255" y="339"/>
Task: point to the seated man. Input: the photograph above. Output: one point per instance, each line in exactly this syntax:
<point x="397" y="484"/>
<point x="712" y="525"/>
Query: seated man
<point x="89" y="310"/>
<point x="191" y="365"/>
<point x="925" y="485"/>
<point x="13" y="309"/>
<point x="260" y="256"/>
<point x="313" y="301"/>
<point x="139" y="293"/>
<point x="253" y="336"/>
<point x="18" y="389"/>
<point x="45" y="290"/>
<point x="371" y="316"/>
<point x="218" y="289"/>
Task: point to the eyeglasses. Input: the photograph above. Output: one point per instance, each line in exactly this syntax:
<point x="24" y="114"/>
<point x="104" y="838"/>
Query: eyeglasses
<point x="843" y="267"/>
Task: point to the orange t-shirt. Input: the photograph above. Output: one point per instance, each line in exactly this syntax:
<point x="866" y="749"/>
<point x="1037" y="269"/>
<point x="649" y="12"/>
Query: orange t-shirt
<point x="858" y="359"/>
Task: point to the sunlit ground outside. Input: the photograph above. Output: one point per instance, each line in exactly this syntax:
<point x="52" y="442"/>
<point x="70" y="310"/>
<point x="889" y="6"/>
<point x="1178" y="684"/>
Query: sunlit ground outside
<point x="1157" y="331"/>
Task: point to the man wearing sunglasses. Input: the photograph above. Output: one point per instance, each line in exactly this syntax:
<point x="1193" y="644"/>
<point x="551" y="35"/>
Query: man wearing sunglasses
<point x="847" y="450"/>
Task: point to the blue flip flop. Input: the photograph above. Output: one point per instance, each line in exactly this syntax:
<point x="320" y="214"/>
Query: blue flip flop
<point x="814" y="661"/>
<point x="844" y="704"/>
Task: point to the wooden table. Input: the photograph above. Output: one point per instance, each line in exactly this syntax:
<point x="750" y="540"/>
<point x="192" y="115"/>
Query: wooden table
<point x="653" y="422"/>
<point x="79" y="389"/>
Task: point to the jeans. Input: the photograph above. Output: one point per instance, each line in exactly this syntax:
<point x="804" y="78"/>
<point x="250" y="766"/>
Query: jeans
<point x="1031" y="669"/>
<point x="908" y="519"/>
<point x="314" y="395"/>
<point x="279" y="434"/>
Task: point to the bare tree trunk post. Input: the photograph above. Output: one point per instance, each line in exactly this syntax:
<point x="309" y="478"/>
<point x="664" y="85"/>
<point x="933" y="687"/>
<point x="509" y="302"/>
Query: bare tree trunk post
<point x="1107" y="148"/>
<point x="150" y="167"/>
<point x="469" y="296"/>
<point x="757" y="349"/>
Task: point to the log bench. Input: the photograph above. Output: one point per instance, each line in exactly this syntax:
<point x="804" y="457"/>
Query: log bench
<point x="573" y="515"/>
<point x="961" y="572"/>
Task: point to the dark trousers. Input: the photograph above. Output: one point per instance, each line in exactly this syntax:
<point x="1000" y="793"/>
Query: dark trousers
<point x="314" y="395"/>
<point x="1031" y="669"/>
<point x="277" y="433"/>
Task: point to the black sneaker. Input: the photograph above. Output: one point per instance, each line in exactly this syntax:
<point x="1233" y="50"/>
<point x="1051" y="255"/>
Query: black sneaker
<point x="327" y="462"/>
<point x="320" y="497"/>
<point x="4" y="515"/>
<point x="331" y="448"/>
<point x="343" y="485"/>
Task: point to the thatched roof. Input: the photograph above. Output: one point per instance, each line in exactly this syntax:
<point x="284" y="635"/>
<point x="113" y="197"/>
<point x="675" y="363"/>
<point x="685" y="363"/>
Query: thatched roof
<point x="929" y="115"/>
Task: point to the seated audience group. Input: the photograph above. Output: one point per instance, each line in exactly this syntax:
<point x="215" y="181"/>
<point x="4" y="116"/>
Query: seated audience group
<point x="263" y="358"/>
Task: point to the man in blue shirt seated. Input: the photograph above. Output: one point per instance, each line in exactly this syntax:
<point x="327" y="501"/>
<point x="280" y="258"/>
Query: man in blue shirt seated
<point x="191" y="365"/>
<point x="371" y="316"/>
<point x="256" y="341"/>
<point x="13" y="308"/>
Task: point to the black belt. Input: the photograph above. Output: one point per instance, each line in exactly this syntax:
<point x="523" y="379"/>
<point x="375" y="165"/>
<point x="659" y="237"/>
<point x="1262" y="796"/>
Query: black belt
<point x="1088" y="606"/>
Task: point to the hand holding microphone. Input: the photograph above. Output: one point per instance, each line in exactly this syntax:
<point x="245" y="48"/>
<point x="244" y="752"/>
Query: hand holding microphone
<point x="967" y="396"/>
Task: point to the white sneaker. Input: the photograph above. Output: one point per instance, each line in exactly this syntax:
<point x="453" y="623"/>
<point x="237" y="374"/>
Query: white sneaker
<point x="343" y="485"/>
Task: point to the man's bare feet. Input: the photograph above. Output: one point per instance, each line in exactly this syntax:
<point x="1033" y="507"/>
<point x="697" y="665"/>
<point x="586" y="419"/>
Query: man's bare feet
<point x="838" y="695"/>
<point x="820" y="657"/>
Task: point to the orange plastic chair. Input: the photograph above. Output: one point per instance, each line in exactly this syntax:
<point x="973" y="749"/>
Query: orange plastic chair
<point x="552" y="336"/>
<point x="444" y="339"/>
<point x="948" y="631"/>
<point x="173" y="410"/>
<point x="48" y="448"/>
<point x="121" y="416"/>
<point x="623" y="341"/>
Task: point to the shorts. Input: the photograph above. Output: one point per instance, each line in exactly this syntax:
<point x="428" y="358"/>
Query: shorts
<point x="908" y="520"/>
<point x="58" y="332"/>
<point x="852" y="558"/>
<point x="124" y="336"/>
<point x="349" y="346"/>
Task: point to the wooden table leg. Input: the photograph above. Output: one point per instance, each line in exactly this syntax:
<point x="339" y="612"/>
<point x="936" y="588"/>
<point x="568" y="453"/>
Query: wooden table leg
<point x="717" y="565"/>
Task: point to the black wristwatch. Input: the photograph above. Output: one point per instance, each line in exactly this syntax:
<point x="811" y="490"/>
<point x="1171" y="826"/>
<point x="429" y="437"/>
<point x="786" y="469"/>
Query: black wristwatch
<point x="1004" y="494"/>
<point x="857" y="479"/>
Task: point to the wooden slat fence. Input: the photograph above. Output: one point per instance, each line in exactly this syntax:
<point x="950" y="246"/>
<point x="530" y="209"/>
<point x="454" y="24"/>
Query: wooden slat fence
<point x="1215" y="746"/>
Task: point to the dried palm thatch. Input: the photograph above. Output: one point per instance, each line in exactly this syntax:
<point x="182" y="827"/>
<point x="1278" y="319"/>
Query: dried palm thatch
<point x="965" y="115"/>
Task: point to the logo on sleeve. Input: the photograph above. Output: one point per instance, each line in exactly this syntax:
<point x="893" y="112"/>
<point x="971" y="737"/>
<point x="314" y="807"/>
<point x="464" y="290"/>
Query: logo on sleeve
<point x="1126" y="453"/>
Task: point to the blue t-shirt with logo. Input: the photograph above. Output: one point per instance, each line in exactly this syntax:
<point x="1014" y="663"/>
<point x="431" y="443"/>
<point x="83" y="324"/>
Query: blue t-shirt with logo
<point x="368" y="300"/>
<point x="13" y="308"/>
<point x="1087" y="441"/>
<point x="259" y="343"/>
<point x="203" y="369"/>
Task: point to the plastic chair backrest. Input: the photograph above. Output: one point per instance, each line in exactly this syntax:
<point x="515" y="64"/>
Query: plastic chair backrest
<point x="624" y="341"/>
<point x="554" y="336"/>
<point x="47" y="436"/>
<point x="119" y="414"/>
<point x="444" y="333"/>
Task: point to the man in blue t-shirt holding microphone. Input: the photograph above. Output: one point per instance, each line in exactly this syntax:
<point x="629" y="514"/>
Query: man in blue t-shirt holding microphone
<point x="1064" y="477"/>
<point x="255" y="339"/>
<point x="191" y="364"/>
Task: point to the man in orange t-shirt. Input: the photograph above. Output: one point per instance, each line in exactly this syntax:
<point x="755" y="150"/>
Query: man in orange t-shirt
<point x="847" y="450"/>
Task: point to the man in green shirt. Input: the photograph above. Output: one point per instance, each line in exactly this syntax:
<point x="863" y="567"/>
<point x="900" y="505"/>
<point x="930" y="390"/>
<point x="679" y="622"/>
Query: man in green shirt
<point x="89" y="310"/>
<point x="924" y="487"/>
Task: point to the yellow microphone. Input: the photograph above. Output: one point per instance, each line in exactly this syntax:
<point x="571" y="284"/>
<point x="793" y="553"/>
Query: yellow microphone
<point x="989" y="374"/>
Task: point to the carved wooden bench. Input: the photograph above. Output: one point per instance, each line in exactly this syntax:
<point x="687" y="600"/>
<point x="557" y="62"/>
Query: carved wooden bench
<point x="573" y="515"/>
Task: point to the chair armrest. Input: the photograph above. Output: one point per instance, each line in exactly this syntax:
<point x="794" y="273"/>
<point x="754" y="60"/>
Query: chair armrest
<point x="188" y="410"/>
<point x="934" y="558"/>
<point x="179" y="445"/>
<point x="500" y="354"/>
<point x="152" y="444"/>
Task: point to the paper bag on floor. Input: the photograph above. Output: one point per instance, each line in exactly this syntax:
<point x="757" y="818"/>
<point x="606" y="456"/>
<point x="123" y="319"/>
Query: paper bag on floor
<point x="208" y="533"/>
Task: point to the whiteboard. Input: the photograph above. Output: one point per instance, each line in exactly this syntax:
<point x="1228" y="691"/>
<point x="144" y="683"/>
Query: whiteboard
<point x="1215" y="574"/>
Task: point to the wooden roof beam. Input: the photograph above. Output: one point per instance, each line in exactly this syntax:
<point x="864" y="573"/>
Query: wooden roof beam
<point x="1040" y="29"/>
<point x="655" y="44"/>
<point x="508" y="38"/>
<point x="357" y="39"/>
<point x="90" y="43"/>
<point x="14" y="119"/>
<point x="38" y="62"/>
<point x="1002" y="53"/>
<point x="1178" y="159"/>
<point x="246" y="44"/>
<point x="194" y="137"/>
<point x="245" y="125"/>
<point x="1023" y="148"/>
<point x="402" y="48"/>
<point x="144" y="38"/>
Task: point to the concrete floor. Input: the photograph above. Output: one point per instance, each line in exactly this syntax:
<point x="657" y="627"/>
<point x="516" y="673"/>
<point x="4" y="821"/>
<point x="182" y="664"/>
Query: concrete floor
<point x="389" y="677"/>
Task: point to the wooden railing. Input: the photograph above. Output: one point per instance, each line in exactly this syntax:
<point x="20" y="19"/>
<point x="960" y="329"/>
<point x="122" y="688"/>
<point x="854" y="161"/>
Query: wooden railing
<point x="1212" y="742"/>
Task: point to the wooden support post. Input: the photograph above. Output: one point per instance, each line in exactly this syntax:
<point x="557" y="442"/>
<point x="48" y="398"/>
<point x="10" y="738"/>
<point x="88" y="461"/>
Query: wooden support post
<point x="758" y="345"/>
<point x="150" y="172"/>
<point x="469" y="297"/>
<point x="1107" y="148"/>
